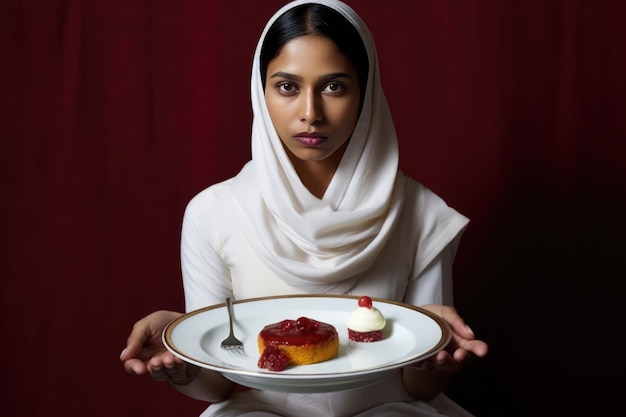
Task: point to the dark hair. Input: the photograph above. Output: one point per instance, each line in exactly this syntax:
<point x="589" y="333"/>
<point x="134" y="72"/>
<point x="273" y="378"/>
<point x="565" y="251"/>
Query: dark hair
<point x="316" y="19"/>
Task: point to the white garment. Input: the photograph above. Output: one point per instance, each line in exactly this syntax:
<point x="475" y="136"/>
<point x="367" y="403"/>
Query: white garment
<point x="414" y="267"/>
<point x="375" y="232"/>
<point x="353" y="403"/>
<point x="217" y="260"/>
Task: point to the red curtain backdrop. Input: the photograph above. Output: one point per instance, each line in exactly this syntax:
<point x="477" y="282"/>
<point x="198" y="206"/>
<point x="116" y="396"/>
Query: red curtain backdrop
<point x="115" y="113"/>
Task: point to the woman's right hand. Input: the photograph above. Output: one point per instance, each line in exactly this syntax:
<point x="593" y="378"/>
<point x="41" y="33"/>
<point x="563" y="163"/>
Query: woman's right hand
<point x="145" y="351"/>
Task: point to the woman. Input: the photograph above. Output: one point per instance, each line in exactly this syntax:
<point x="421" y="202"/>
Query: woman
<point x="320" y="208"/>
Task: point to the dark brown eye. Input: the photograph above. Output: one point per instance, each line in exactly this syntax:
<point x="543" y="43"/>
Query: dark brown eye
<point x="287" y="87"/>
<point x="334" y="87"/>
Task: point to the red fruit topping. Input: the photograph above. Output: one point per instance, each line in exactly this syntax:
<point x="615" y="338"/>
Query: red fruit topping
<point x="305" y="324"/>
<point x="288" y="332"/>
<point x="365" y="301"/>
<point x="286" y="324"/>
<point x="273" y="359"/>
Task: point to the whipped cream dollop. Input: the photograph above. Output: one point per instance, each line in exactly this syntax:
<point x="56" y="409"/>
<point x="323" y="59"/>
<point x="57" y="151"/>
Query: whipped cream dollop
<point x="366" y="319"/>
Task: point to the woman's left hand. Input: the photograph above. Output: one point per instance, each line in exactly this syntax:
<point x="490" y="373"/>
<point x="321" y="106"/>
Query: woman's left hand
<point x="463" y="343"/>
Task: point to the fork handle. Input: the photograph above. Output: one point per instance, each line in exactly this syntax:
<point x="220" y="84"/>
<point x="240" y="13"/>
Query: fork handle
<point x="229" y="306"/>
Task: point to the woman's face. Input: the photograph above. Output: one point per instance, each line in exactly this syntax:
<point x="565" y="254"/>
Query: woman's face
<point x="312" y="94"/>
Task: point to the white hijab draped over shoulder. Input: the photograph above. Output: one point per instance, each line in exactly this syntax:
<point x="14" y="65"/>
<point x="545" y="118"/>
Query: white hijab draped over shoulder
<point x="322" y="245"/>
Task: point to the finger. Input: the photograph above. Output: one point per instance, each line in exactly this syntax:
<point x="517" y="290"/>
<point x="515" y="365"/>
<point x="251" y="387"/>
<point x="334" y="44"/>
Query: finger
<point x="477" y="347"/>
<point x="159" y="374"/>
<point x="158" y="361"/>
<point x="463" y="354"/>
<point x="443" y="357"/>
<point x="458" y="325"/>
<point x="132" y="349"/>
<point x="178" y="374"/>
<point x="159" y="366"/>
<point x="469" y="342"/>
<point x="169" y="360"/>
<point x="444" y="362"/>
<point x="140" y="333"/>
<point x="460" y="355"/>
<point x="125" y="354"/>
<point x="456" y="322"/>
<point x="135" y="367"/>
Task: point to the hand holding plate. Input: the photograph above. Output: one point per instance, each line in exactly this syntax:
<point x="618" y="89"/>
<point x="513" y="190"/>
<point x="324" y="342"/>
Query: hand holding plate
<point x="463" y="343"/>
<point x="145" y="351"/>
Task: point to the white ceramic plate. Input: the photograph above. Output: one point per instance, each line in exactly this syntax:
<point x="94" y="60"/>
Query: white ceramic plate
<point x="411" y="334"/>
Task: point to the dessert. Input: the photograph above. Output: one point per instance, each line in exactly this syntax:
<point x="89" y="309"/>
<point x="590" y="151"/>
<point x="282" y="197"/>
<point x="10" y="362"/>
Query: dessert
<point x="296" y="342"/>
<point x="366" y="323"/>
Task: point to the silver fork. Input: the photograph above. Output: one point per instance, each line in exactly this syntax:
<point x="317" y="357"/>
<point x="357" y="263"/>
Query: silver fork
<point x="231" y="342"/>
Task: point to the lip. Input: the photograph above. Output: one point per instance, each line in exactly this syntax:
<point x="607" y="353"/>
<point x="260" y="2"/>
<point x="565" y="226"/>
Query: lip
<point x="310" y="138"/>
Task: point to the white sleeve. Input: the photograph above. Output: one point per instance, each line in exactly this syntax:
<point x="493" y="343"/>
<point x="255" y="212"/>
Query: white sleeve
<point x="434" y="284"/>
<point x="206" y="279"/>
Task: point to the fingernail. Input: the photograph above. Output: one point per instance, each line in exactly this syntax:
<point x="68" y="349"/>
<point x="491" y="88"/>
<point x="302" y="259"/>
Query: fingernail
<point x="469" y="329"/>
<point x="122" y="354"/>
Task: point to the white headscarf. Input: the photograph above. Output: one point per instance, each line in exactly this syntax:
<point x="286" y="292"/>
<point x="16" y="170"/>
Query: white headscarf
<point x="322" y="245"/>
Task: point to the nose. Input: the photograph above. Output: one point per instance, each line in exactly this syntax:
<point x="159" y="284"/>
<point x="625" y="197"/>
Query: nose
<point x="311" y="107"/>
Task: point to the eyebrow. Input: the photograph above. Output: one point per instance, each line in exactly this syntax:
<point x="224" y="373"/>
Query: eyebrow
<point x="326" y="77"/>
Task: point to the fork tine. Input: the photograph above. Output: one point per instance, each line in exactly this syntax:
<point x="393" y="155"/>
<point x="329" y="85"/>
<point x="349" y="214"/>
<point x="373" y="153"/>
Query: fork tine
<point x="235" y="348"/>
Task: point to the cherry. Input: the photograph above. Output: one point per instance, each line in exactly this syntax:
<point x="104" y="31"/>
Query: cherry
<point x="306" y="324"/>
<point x="365" y="301"/>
